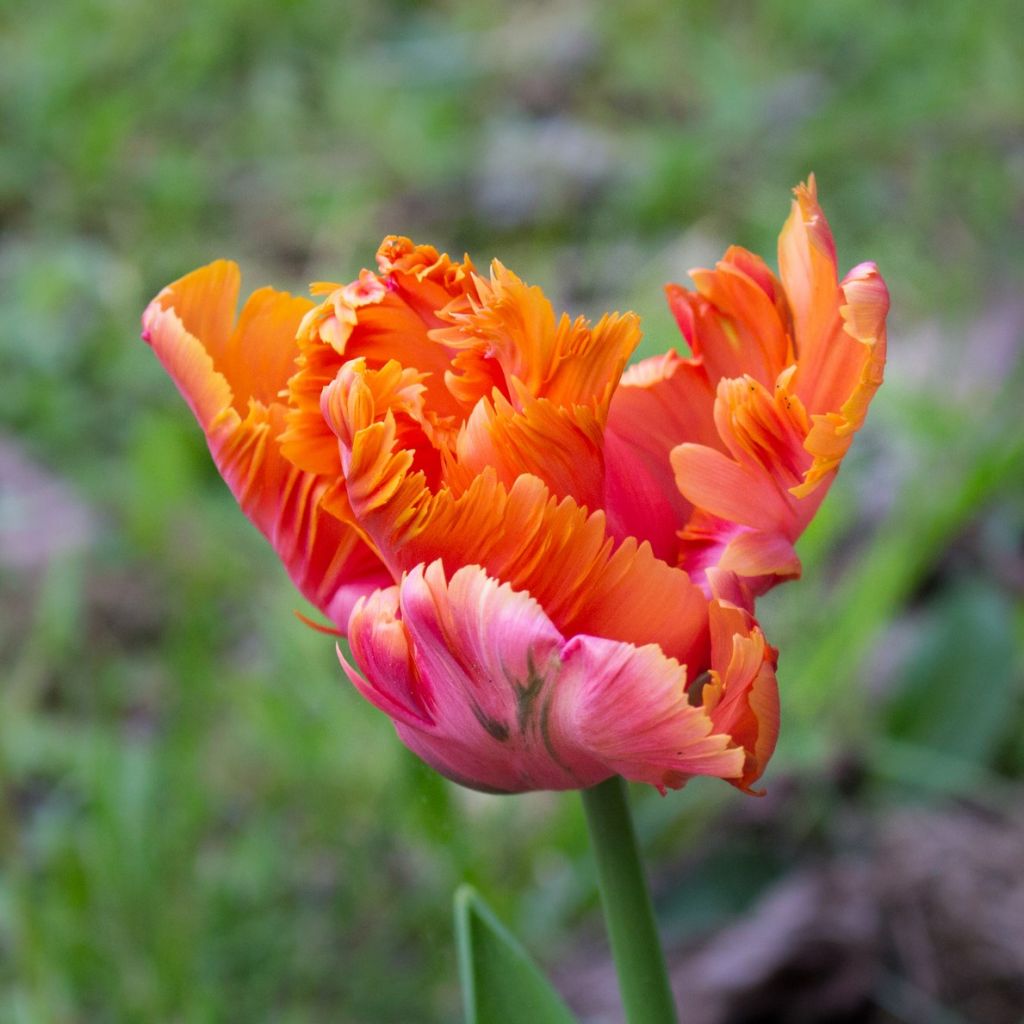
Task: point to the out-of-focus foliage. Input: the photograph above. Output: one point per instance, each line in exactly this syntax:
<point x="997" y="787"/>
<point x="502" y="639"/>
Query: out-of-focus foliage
<point x="200" y="820"/>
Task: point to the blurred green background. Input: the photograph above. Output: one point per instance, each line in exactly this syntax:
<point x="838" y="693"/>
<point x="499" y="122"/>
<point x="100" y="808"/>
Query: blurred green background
<point x="200" y="820"/>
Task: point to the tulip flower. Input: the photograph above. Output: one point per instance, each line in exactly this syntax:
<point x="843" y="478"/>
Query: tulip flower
<point x="545" y="568"/>
<point x="545" y="563"/>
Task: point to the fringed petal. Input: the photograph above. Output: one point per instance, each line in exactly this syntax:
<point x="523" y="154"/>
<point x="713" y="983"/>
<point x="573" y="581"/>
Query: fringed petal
<point x="561" y="446"/>
<point x="864" y="311"/>
<point x="737" y="322"/>
<point x="565" y="361"/>
<point x="785" y="437"/>
<point x="742" y="695"/>
<point x="484" y="687"/>
<point x="327" y="561"/>
<point x="524" y="535"/>
<point x="746" y="518"/>
<point x="378" y="318"/>
<point x="628" y="708"/>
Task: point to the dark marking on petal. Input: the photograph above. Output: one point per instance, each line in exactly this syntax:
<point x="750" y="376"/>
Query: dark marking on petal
<point x="499" y="730"/>
<point x="527" y="694"/>
<point x="695" y="693"/>
<point x="545" y="732"/>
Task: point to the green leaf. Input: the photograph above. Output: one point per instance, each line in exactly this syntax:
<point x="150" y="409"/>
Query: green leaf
<point x="500" y="983"/>
<point x="958" y="688"/>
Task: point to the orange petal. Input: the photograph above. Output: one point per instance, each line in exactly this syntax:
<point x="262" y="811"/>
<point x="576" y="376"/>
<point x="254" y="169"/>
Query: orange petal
<point x="207" y="298"/>
<point x="864" y="312"/>
<point x="807" y="266"/>
<point x="524" y="535"/>
<point x="742" y="697"/>
<point x="427" y="280"/>
<point x="383" y="331"/>
<point x="738" y="321"/>
<point x="565" y="361"/>
<point x="256" y="356"/>
<point x="376" y="318"/>
<point x="764" y="429"/>
<point x="828" y="358"/>
<point x="740" y="318"/>
<point x="747" y="517"/>
<point x="326" y="560"/>
<point x="725" y="488"/>
<point x="661" y="402"/>
<point x="206" y="302"/>
<point x="561" y="446"/>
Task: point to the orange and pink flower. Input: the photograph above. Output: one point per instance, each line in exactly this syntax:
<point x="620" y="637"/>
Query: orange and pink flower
<point x="545" y="566"/>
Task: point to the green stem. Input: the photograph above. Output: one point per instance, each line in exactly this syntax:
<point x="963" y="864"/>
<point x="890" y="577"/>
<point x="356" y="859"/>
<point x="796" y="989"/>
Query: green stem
<point x="628" y="912"/>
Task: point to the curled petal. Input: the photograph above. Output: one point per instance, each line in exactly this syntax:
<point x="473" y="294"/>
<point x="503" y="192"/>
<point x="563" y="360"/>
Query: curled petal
<point x="863" y="313"/>
<point x="230" y="375"/>
<point x="379" y="318"/>
<point x="380" y="645"/>
<point x="370" y="393"/>
<point x="427" y="280"/>
<point x="568" y="362"/>
<point x="737" y="322"/>
<point x="742" y="696"/>
<point x="483" y="686"/>
<point x="561" y="446"/>
<point x="555" y="550"/>
<point x="839" y="326"/>
<point x="384" y="331"/>
<point x="372" y="414"/>
<point x="815" y="352"/>
<point x="660" y="402"/>
<point x="747" y="519"/>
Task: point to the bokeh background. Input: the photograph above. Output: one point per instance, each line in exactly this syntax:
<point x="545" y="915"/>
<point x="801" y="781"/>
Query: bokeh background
<point x="200" y="820"/>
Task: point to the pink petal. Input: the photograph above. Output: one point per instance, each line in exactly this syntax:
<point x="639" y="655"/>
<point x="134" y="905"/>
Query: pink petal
<point x="628" y="707"/>
<point x="484" y="688"/>
<point x="662" y="402"/>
